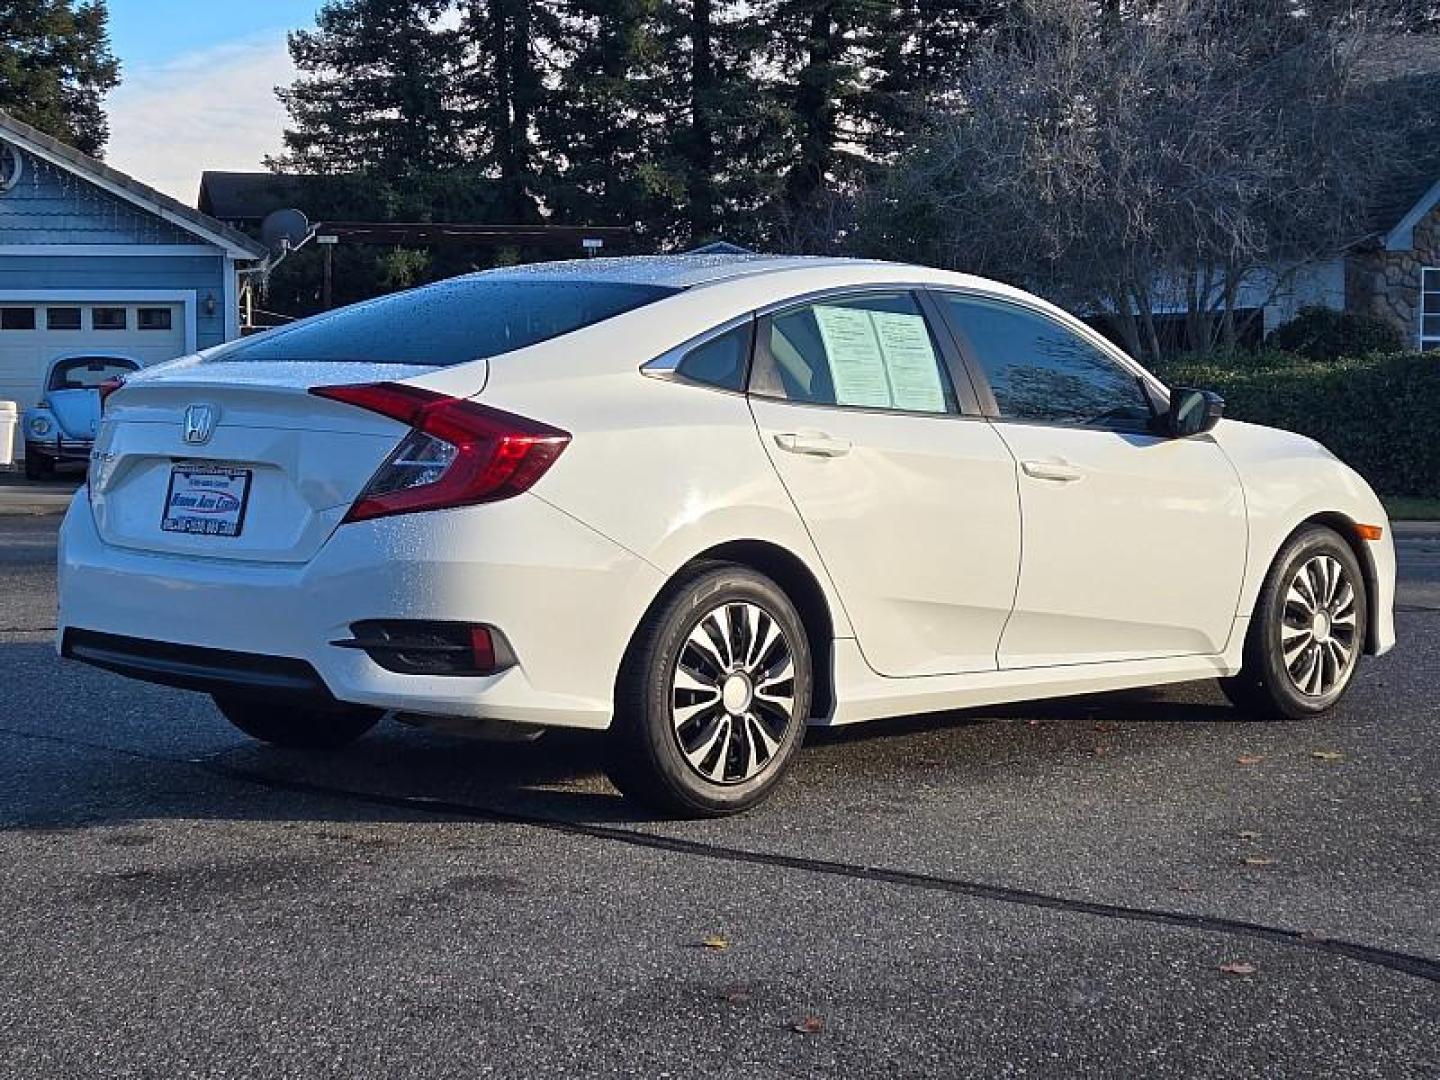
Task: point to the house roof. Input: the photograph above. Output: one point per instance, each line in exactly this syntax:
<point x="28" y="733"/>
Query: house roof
<point x="249" y="196"/>
<point x="1401" y="73"/>
<point x="235" y="243"/>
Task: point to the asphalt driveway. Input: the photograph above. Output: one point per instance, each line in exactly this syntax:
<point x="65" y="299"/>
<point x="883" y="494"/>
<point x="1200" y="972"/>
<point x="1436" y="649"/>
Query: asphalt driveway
<point x="1035" y="891"/>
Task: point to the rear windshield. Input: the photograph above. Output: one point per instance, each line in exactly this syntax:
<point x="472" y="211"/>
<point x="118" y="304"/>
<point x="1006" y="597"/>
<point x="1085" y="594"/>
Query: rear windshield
<point x="88" y="372"/>
<point x="448" y="323"/>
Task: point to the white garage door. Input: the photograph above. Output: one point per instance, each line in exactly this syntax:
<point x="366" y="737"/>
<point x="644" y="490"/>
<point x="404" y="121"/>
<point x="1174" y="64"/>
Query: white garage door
<point x="32" y="335"/>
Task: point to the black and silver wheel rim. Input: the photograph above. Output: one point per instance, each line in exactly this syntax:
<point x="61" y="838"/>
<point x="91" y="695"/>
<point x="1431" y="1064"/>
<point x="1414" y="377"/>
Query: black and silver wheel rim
<point x="1319" y="631"/>
<point x="732" y="693"/>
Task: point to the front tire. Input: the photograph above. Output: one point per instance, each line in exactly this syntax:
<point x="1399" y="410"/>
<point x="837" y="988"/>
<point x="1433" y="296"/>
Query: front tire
<point x="1307" y="632"/>
<point x="713" y="697"/>
<point x="297" y="727"/>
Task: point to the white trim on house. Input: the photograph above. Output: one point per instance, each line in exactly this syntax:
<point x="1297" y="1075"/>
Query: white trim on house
<point x="1402" y="236"/>
<point x="187" y="298"/>
<point x="1429" y="289"/>
<point x="206" y="250"/>
<point x="231" y="301"/>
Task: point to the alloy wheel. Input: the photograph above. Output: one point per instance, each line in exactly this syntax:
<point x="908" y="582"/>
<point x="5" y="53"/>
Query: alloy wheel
<point x="1319" y="633"/>
<point x="733" y="693"/>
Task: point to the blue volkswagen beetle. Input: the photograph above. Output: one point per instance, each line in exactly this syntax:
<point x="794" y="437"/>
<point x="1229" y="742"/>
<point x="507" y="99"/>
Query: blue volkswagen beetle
<point x="61" y="427"/>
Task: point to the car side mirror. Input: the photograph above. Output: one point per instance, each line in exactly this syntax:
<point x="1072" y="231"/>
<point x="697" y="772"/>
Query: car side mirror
<point x="1193" y="412"/>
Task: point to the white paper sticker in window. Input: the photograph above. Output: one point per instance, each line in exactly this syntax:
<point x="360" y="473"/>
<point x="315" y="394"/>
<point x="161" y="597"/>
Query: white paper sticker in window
<point x="857" y="367"/>
<point x="910" y="361"/>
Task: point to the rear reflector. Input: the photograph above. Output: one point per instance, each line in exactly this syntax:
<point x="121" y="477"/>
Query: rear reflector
<point x="415" y="647"/>
<point x="459" y="452"/>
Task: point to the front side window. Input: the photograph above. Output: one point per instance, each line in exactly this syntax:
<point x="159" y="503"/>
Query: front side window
<point x="721" y="361"/>
<point x="873" y="351"/>
<point x="450" y="322"/>
<point x="1430" y="308"/>
<point x="1040" y="370"/>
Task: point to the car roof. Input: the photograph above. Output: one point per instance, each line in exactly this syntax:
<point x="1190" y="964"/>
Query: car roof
<point x="675" y="271"/>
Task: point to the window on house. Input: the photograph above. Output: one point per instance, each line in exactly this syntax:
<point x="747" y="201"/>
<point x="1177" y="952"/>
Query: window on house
<point x="17" y="318"/>
<point x="1430" y="309"/>
<point x="152" y="318"/>
<point x="108" y="318"/>
<point x="62" y="318"/>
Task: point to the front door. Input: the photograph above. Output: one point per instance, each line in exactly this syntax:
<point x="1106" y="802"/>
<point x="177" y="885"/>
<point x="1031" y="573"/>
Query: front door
<point x="912" y="505"/>
<point x="1134" y="543"/>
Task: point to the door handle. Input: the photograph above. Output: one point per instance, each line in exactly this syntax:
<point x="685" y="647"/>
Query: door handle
<point x="815" y="444"/>
<point x="1060" y="471"/>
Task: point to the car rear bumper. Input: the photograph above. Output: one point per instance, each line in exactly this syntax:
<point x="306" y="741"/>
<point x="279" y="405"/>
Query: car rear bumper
<point x="565" y="597"/>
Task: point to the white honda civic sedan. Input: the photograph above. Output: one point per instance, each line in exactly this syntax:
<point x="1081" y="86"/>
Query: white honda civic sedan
<point x="700" y="502"/>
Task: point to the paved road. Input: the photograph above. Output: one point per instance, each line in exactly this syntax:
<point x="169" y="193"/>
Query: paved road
<point x="1038" y="891"/>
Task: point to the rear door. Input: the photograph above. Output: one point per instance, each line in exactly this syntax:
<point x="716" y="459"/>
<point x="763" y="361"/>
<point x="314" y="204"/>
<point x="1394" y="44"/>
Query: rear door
<point x="1135" y="543"/>
<point x="909" y="496"/>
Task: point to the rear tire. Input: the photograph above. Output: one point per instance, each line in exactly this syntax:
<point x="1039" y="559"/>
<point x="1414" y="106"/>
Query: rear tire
<point x="713" y="697"/>
<point x="1307" y="633"/>
<point x="38" y="466"/>
<point x="296" y="727"/>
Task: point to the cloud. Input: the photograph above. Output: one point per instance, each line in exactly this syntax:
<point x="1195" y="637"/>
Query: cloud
<point x="214" y="109"/>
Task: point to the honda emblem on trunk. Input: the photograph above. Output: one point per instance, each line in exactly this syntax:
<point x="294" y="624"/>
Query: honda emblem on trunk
<point x="199" y="424"/>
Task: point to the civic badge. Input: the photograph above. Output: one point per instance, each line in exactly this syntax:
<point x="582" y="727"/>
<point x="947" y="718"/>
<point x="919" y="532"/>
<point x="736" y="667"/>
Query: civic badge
<point x="199" y="424"/>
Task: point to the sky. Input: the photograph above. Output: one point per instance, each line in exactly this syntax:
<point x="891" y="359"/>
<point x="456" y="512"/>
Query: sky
<point x="197" y="87"/>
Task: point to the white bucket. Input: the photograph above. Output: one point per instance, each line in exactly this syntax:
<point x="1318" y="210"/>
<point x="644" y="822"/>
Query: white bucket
<point x="9" y="425"/>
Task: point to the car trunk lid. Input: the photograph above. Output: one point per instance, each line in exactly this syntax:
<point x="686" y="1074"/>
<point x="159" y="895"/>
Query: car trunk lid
<point x="237" y="461"/>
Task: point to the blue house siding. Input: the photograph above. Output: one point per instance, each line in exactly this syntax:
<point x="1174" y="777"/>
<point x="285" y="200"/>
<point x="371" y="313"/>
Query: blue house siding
<point x="50" y="206"/>
<point x="94" y="262"/>
<point x="204" y="274"/>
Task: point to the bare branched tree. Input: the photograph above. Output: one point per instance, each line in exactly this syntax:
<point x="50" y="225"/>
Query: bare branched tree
<point x="1182" y="146"/>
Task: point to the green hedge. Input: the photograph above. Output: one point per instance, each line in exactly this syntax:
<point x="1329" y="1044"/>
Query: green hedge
<point x="1379" y="413"/>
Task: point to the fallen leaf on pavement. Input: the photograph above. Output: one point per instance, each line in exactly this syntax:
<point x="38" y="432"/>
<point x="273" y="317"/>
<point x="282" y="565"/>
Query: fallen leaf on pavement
<point x="1236" y="967"/>
<point x="1327" y="755"/>
<point x="808" y="1025"/>
<point x="1104" y="725"/>
<point x="1257" y="860"/>
<point x="735" y="995"/>
<point x="1249" y="759"/>
<point x="715" y="941"/>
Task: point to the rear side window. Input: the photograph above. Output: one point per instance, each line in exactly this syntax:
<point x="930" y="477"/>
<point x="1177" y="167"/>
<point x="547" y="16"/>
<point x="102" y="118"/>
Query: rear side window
<point x="721" y="361"/>
<point x="448" y="323"/>
<point x="874" y="352"/>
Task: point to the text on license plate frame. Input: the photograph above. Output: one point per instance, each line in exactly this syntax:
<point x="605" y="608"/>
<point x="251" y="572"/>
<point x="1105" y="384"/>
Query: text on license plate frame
<point x="224" y="516"/>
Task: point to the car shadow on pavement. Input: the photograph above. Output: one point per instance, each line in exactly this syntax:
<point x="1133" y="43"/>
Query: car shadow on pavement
<point x="112" y="750"/>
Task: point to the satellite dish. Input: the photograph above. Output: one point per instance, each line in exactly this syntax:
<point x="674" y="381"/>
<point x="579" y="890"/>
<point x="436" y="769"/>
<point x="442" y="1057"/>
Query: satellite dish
<point x="284" y="230"/>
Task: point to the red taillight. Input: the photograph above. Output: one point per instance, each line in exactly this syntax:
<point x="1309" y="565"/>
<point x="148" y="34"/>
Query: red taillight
<point x="458" y="452"/>
<point x="108" y="387"/>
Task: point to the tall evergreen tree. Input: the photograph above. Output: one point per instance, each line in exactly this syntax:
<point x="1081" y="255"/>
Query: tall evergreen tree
<point x="600" y="131"/>
<point x="721" y="121"/>
<point x="376" y="91"/>
<point x="56" y="67"/>
<point x="503" y="90"/>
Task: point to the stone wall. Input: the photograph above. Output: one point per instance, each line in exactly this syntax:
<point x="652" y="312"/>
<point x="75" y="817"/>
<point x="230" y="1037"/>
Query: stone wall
<point x="1387" y="283"/>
